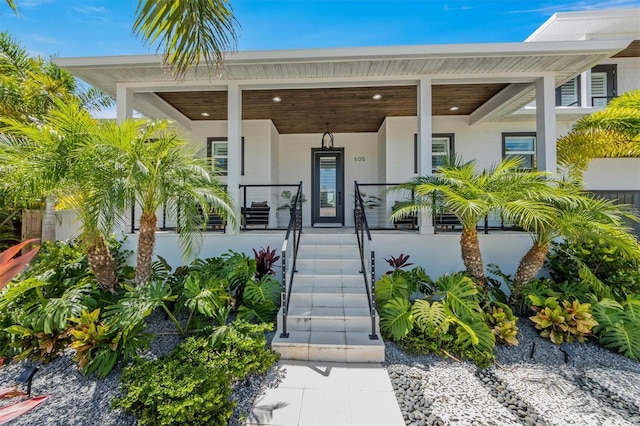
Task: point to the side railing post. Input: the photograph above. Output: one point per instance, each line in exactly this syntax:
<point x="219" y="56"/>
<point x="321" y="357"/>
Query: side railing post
<point x="283" y="294"/>
<point x="373" y="335"/>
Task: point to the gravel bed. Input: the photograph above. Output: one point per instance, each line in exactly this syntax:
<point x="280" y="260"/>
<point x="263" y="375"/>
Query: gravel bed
<point x="530" y="385"/>
<point x="76" y="400"/>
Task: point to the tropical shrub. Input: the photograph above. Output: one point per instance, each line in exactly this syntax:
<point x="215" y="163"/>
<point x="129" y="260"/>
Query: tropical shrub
<point x="191" y="385"/>
<point x="261" y="300"/>
<point x="265" y="259"/>
<point x="171" y="392"/>
<point x="619" y="325"/>
<point x="503" y="324"/>
<point x="567" y="262"/>
<point x="448" y="319"/>
<point x="564" y="321"/>
<point x="397" y="263"/>
<point x="10" y="266"/>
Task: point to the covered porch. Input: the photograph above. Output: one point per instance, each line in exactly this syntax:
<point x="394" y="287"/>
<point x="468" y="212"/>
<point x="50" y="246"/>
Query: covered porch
<point x="392" y="113"/>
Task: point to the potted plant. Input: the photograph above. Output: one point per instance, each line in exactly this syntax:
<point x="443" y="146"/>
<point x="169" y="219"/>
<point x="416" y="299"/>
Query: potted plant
<point x="290" y="200"/>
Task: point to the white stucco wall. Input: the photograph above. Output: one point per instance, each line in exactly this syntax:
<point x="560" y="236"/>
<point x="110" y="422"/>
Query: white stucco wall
<point x="295" y="164"/>
<point x="628" y="73"/>
<point x="606" y="174"/>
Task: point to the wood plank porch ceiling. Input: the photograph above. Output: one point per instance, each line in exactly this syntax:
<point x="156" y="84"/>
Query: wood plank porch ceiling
<point x="347" y="110"/>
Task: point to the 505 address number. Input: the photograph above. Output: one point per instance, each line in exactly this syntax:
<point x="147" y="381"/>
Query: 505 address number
<point x="359" y="159"/>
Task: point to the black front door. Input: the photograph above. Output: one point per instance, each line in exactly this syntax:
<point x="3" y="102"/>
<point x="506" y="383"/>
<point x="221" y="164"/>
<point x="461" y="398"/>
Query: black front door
<point x="327" y="198"/>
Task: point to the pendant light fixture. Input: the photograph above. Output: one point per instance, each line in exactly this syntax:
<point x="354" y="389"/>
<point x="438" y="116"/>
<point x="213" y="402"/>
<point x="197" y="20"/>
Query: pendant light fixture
<point x="327" y="139"/>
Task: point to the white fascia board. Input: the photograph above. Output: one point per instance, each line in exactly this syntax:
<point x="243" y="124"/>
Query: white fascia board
<point x="371" y="53"/>
<point x="560" y="18"/>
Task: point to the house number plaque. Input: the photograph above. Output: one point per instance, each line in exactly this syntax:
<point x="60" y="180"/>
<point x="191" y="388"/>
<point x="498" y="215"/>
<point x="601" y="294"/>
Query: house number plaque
<point x="359" y="159"/>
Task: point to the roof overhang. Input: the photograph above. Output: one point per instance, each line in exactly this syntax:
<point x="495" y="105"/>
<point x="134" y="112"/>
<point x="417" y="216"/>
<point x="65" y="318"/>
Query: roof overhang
<point x="510" y="63"/>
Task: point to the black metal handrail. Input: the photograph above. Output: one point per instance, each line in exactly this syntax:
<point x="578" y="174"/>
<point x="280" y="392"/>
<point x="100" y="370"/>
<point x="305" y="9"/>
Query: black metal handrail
<point x="362" y="231"/>
<point x="290" y="248"/>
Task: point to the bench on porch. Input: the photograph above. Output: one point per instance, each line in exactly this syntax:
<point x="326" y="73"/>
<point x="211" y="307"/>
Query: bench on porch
<point x="410" y="221"/>
<point x="446" y="221"/>
<point x="213" y="221"/>
<point x="257" y="214"/>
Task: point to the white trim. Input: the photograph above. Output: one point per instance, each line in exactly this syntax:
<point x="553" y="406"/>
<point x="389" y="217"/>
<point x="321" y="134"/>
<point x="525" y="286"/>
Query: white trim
<point x="349" y="54"/>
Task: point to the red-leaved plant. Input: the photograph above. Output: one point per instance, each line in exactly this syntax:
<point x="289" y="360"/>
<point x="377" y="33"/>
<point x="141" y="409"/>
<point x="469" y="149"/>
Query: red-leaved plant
<point x="265" y="259"/>
<point x="398" y="263"/>
<point x="10" y="266"/>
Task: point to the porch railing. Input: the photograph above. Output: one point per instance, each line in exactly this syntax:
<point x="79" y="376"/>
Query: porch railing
<point x="379" y="204"/>
<point x="290" y="255"/>
<point x="367" y="255"/>
<point x="267" y="206"/>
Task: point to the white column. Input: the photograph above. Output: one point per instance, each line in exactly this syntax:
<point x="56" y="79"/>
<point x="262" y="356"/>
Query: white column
<point x="234" y="135"/>
<point x="425" y="132"/>
<point x="124" y="103"/>
<point x="124" y="111"/>
<point x="585" y="89"/>
<point x="546" y="124"/>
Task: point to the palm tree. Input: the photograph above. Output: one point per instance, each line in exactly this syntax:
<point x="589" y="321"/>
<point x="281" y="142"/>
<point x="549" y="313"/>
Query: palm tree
<point x="51" y="159"/>
<point x="150" y="164"/>
<point x="577" y="216"/>
<point x="187" y="30"/>
<point x="613" y="132"/>
<point x="471" y="195"/>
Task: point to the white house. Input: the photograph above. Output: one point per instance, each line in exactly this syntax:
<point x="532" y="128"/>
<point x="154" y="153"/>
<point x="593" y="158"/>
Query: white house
<point x="393" y="112"/>
<point x="386" y="114"/>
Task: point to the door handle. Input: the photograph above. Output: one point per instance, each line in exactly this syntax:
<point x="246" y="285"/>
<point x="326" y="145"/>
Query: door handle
<point x="339" y="198"/>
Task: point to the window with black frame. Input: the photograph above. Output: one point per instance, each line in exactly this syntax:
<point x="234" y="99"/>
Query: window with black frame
<point x="522" y="145"/>
<point x="218" y="152"/>
<point x="442" y="149"/>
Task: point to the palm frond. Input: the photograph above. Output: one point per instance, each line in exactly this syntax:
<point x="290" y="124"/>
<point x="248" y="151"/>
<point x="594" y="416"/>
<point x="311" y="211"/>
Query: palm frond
<point x="188" y="31"/>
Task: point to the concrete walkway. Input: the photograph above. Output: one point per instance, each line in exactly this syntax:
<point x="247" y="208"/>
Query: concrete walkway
<point x="328" y="394"/>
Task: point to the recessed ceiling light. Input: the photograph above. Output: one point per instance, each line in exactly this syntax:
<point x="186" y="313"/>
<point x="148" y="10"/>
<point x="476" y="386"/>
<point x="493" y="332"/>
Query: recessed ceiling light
<point x="277" y="99"/>
<point x="204" y="114"/>
<point x="454" y="108"/>
<point x="377" y="96"/>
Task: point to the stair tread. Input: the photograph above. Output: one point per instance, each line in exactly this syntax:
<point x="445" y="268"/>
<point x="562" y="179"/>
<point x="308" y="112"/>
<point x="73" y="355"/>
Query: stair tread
<point x="327" y="338"/>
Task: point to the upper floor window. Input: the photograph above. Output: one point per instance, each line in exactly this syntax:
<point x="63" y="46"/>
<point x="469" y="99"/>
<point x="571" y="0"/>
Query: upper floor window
<point x="442" y="145"/>
<point x="603" y="84"/>
<point x="520" y="145"/>
<point x="603" y="88"/>
<point x="568" y="94"/>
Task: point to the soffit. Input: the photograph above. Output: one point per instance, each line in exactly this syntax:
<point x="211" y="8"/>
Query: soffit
<point x="444" y="64"/>
<point x="347" y="109"/>
<point x="632" y="51"/>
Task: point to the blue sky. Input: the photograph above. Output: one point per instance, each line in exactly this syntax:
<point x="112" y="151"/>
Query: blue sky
<point x="67" y="28"/>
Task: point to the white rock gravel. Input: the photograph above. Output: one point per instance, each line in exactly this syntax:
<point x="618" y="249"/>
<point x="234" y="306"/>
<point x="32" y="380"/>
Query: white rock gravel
<point x="596" y="387"/>
<point x="533" y="388"/>
<point x="76" y="400"/>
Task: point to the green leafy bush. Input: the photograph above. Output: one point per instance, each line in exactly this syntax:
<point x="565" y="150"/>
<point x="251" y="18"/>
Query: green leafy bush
<point x="562" y="322"/>
<point x="450" y="319"/>
<point x="568" y="260"/>
<point x="192" y="384"/>
<point x="619" y="325"/>
<point x="171" y="392"/>
<point x="503" y="324"/>
<point x="261" y="300"/>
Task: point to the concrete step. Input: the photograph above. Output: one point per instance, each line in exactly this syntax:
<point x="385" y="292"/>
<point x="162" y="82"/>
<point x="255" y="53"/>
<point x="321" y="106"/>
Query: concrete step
<point x="329" y="346"/>
<point x="335" y="252"/>
<point x="328" y="266"/>
<point x="338" y="319"/>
